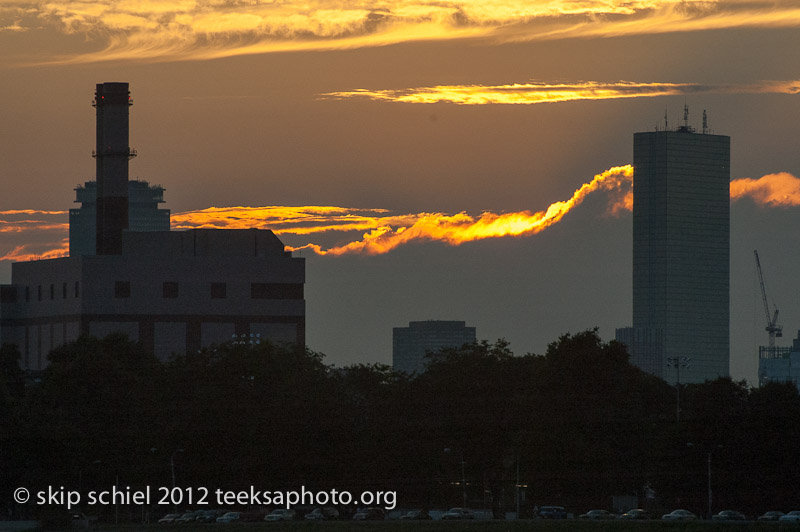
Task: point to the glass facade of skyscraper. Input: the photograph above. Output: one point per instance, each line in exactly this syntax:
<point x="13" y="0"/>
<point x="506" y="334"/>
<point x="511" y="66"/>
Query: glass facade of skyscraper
<point x="681" y="253"/>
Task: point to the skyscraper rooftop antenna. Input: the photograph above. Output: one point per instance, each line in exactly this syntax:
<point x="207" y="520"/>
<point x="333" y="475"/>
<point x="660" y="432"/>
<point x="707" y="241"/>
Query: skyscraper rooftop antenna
<point x="666" y="122"/>
<point x="686" y="116"/>
<point x="705" y="122"/>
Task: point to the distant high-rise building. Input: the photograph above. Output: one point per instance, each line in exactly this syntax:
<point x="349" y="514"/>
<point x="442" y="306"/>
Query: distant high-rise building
<point x="779" y="363"/>
<point x="681" y="255"/>
<point x="411" y="344"/>
<point x="143" y="214"/>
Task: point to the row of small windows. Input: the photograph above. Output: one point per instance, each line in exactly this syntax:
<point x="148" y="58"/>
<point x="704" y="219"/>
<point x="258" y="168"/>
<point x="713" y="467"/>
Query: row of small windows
<point x="171" y="290"/>
<point x="8" y="294"/>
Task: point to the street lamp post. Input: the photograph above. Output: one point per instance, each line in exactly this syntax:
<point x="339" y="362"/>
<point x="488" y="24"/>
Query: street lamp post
<point x="463" y="477"/>
<point x="709" y="485"/>
<point x="678" y="363"/>
<point x="709" y="480"/>
<point x="463" y="480"/>
<point x="517" y="486"/>
<point x="708" y="465"/>
<point x="172" y="465"/>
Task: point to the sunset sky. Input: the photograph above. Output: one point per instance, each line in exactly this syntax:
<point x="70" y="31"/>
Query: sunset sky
<point x="447" y="132"/>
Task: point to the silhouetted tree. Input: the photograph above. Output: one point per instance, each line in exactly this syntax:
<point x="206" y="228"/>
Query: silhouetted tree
<point x="579" y="422"/>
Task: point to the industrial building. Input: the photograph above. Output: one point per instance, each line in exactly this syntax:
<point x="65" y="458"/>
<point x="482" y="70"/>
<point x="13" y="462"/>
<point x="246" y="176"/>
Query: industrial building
<point x="681" y="255"/>
<point x="411" y="344"/>
<point x="174" y="292"/>
<point x="144" y="214"/>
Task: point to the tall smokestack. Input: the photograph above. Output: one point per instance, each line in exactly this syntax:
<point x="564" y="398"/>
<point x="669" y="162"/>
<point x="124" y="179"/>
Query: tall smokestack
<point x="111" y="100"/>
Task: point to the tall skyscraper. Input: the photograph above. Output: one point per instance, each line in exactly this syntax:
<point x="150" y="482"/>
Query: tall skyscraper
<point x="411" y="344"/>
<point x="681" y="255"/>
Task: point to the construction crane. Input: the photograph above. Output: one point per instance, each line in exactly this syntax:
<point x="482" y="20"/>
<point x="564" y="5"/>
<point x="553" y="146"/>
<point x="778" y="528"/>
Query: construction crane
<point x="772" y="323"/>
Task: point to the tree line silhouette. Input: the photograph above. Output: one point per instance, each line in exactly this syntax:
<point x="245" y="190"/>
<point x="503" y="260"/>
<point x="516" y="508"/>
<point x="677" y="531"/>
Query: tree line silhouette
<point x="574" y="427"/>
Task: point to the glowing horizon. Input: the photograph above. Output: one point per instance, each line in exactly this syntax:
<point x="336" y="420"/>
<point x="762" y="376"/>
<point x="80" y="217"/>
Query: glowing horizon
<point x="460" y="228"/>
<point x="385" y="231"/>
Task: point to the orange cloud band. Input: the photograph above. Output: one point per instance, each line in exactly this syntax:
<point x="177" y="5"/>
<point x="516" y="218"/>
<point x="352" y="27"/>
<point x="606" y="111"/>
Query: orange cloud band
<point x="460" y="228"/>
<point x="772" y="190"/>
<point x="161" y="30"/>
<point x="385" y="232"/>
<point x="27" y="252"/>
<point x="533" y="93"/>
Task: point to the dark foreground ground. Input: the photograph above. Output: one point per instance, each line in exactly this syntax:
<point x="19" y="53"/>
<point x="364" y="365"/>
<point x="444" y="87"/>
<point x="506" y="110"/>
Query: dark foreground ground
<point x="477" y="526"/>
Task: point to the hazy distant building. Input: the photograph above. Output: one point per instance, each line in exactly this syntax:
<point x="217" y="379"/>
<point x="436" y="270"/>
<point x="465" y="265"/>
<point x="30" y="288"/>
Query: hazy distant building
<point x="411" y="344"/>
<point x="171" y="291"/>
<point x="144" y="214"/>
<point x="645" y="347"/>
<point x="779" y="364"/>
<point x="681" y="255"/>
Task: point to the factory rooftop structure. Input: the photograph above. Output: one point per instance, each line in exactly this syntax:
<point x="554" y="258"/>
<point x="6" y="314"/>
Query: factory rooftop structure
<point x="173" y="292"/>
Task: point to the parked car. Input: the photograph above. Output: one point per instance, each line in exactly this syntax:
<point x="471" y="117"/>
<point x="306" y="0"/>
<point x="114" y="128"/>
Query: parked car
<point x="253" y="516"/>
<point x="638" y="513"/>
<point x="229" y="517"/>
<point x="791" y="516"/>
<point x="597" y="515"/>
<point x="281" y="514"/>
<point x="370" y="514"/>
<point x="458" y="513"/>
<point x="169" y="518"/>
<point x="81" y="521"/>
<point x="552" y="512"/>
<point x="728" y="515"/>
<point x="323" y="514"/>
<point x="210" y="516"/>
<point x="772" y="515"/>
<point x="679" y="515"/>
<point x="188" y="517"/>
<point x="415" y="515"/>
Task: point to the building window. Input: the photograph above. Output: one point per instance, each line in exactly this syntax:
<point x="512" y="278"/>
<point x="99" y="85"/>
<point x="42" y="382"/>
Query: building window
<point x="27" y="294"/>
<point x="64" y="291"/>
<point x="170" y="290"/>
<point x="122" y="289"/>
<point x="52" y="291"/>
<point x="276" y="290"/>
<point x="8" y="294"/>
<point x="39" y="292"/>
<point x="77" y="288"/>
<point x="218" y="291"/>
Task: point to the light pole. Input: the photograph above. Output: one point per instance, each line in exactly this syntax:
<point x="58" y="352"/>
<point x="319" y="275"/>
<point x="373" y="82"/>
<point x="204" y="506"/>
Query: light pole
<point x="517" y="486"/>
<point x="709" y="485"/>
<point x="708" y="464"/>
<point x="709" y="480"/>
<point x="678" y="363"/>
<point x="172" y="465"/>
<point x="463" y="477"/>
<point x="80" y="475"/>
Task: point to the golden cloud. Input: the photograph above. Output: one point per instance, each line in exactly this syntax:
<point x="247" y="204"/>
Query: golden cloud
<point x="772" y="190"/>
<point x="460" y="228"/>
<point x="534" y="92"/>
<point x="12" y="221"/>
<point x="47" y="250"/>
<point x="158" y="30"/>
<point x="384" y="231"/>
<point x="288" y="220"/>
